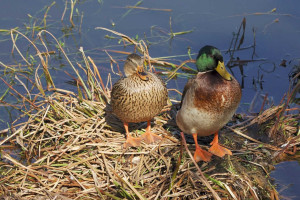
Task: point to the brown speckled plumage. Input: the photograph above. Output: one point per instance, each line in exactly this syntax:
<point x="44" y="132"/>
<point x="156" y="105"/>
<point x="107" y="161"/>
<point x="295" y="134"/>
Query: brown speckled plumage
<point x="138" y="97"/>
<point x="136" y="100"/>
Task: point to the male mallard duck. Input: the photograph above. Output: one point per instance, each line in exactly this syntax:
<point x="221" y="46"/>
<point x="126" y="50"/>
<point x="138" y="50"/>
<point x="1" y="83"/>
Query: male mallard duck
<point x="208" y="102"/>
<point x="138" y="97"/>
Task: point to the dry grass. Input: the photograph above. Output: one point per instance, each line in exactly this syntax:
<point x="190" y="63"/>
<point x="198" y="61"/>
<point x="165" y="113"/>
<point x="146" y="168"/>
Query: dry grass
<point x="71" y="147"/>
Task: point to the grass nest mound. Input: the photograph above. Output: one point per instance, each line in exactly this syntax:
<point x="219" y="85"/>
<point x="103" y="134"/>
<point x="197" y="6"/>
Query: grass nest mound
<point x="72" y="148"/>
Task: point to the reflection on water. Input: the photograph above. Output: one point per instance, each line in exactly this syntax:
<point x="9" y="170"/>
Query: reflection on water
<point x="275" y="33"/>
<point x="287" y="177"/>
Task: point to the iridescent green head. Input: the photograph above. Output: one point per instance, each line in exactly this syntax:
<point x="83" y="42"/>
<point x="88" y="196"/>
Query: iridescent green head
<point x="210" y="58"/>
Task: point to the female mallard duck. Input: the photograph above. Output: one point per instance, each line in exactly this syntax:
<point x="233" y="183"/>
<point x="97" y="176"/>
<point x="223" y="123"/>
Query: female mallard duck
<point x="208" y="102"/>
<point x="138" y="97"/>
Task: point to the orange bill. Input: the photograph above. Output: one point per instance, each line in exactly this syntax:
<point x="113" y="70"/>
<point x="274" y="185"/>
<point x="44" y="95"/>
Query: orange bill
<point x="141" y="73"/>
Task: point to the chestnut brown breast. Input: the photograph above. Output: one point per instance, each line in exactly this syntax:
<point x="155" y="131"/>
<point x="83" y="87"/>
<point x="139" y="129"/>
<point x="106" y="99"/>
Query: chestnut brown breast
<point x="215" y="94"/>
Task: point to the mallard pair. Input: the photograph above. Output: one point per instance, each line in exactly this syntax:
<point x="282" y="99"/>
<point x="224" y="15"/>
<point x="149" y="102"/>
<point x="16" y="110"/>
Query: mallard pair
<point x="208" y="102"/>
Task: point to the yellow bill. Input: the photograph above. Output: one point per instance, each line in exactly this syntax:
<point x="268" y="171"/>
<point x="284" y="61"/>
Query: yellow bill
<point x="223" y="72"/>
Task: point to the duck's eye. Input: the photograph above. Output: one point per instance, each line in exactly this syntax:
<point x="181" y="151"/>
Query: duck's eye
<point x="215" y="58"/>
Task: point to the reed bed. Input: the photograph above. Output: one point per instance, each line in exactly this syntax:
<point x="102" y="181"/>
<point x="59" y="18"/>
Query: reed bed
<point x="71" y="145"/>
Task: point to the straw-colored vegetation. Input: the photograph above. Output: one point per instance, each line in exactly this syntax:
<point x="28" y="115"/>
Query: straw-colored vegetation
<point x="71" y="146"/>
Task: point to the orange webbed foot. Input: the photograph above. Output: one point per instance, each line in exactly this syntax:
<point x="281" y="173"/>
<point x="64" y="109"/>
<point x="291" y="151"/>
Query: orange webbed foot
<point x="149" y="137"/>
<point x="217" y="149"/>
<point x="201" y="154"/>
<point x="132" y="142"/>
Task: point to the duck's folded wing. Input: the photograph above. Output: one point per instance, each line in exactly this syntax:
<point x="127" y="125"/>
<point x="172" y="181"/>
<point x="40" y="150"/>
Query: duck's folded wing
<point x="188" y="85"/>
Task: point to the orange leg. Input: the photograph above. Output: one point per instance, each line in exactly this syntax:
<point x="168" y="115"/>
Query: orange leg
<point x="217" y="149"/>
<point x="131" y="141"/>
<point x="148" y="136"/>
<point x="200" y="154"/>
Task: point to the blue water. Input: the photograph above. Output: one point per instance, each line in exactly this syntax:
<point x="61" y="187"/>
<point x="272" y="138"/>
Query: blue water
<point x="286" y="175"/>
<point x="212" y="22"/>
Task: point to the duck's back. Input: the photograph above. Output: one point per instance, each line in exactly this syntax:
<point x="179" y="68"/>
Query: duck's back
<point x="136" y="100"/>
